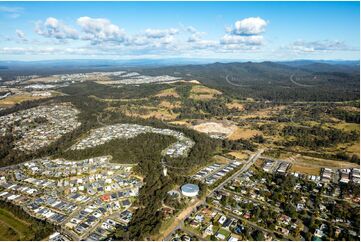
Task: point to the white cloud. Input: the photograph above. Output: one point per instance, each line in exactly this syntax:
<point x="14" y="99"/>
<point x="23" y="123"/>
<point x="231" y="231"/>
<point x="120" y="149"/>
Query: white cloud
<point x="12" y="12"/>
<point x="319" y="46"/>
<point x="246" y="34"/>
<point x="249" y="26"/>
<point x="53" y="28"/>
<point x="47" y="50"/>
<point x="160" y="33"/>
<point x="100" y="29"/>
<point x="111" y="39"/>
<point x="12" y="50"/>
<point x="205" y="44"/>
<point x="243" y="40"/>
<point x="196" y="35"/>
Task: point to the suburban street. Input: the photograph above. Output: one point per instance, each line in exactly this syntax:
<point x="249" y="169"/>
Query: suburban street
<point x="178" y="222"/>
<point x="253" y="158"/>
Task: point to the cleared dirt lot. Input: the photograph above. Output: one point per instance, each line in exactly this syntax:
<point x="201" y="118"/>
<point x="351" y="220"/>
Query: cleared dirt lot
<point x="215" y="127"/>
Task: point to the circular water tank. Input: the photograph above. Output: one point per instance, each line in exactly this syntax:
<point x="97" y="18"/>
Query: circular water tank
<point x="190" y="190"/>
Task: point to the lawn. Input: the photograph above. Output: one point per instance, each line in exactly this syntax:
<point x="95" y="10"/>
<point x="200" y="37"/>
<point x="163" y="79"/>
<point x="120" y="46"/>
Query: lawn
<point x="226" y="233"/>
<point x="13" y="228"/>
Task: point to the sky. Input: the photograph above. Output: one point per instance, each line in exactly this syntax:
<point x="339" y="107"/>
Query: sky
<point x="156" y="30"/>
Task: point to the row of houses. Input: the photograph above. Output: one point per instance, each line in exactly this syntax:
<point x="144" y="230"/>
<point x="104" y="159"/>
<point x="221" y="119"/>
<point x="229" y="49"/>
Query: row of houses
<point x="222" y="172"/>
<point x="340" y="175"/>
<point x="40" y="126"/>
<point x="76" y="203"/>
<point x="125" y="131"/>
<point x="204" y="172"/>
<point x="280" y="167"/>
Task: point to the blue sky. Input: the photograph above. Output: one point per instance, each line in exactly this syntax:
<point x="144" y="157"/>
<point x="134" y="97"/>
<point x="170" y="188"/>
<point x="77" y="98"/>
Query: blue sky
<point x="225" y="30"/>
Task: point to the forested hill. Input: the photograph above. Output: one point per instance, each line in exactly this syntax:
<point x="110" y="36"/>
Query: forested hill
<point x="273" y="81"/>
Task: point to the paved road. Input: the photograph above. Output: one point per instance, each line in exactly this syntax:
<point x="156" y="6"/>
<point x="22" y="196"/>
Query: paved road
<point x="183" y="215"/>
<point x="245" y="168"/>
<point x="234" y="84"/>
<point x="298" y="84"/>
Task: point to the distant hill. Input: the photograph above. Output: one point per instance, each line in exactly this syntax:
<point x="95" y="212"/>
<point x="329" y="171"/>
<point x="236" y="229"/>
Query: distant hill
<point x="325" y="66"/>
<point x="296" y="63"/>
<point x="274" y="81"/>
<point x="301" y="80"/>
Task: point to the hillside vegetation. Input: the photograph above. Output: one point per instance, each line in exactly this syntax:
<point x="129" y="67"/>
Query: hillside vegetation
<point x="272" y="81"/>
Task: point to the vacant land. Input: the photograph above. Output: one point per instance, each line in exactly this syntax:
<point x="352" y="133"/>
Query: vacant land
<point x="18" y="98"/>
<point x="312" y="166"/>
<point x="243" y="133"/>
<point x="199" y="92"/>
<point x="146" y="112"/>
<point x="235" y="104"/>
<point x="183" y="122"/>
<point x="239" y="155"/>
<point x="228" y="129"/>
<point x="169" y="105"/>
<point x="13" y="228"/>
<point x="306" y="169"/>
<point x="171" y="92"/>
<point x="215" y="127"/>
<point x="220" y="159"/>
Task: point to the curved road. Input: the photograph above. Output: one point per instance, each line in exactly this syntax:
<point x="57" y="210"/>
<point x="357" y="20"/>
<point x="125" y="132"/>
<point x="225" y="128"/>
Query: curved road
<point x="234" y="84"/>
<point x="298" y="84"/>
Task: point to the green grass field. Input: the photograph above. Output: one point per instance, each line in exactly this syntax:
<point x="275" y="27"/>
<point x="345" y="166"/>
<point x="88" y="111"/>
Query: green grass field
<point x="13" y="228"/>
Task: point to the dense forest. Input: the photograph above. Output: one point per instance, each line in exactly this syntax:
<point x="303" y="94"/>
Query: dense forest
<point x="107" y="92"/>
<point x="271" y="81"/>
<point x="141" y="147"/>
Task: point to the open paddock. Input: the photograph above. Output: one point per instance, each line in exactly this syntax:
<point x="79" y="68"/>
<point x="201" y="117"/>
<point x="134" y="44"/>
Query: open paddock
<point x="13" y="228"/>
<point x="199" y="92"/>
<point x="18" y="98"/>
